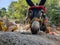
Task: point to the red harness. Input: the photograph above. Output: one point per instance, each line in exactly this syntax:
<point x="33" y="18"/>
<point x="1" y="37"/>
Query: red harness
<point x="38" y="7"/>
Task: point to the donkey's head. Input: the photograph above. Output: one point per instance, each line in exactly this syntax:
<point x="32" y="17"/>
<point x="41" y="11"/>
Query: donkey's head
<point x="36" y="11"/>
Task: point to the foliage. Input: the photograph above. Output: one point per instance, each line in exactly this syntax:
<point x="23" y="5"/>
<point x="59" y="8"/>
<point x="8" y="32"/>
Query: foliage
<point x="53" y="10"/>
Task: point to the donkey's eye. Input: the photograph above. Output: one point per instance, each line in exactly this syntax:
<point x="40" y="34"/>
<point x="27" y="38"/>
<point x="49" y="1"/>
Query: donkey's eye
<point x="30" y="12"/>
<point x="40" y="13"/>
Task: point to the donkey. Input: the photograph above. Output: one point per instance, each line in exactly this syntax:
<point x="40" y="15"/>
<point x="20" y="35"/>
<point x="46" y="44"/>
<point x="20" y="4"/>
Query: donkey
<point x="37" y="19"/>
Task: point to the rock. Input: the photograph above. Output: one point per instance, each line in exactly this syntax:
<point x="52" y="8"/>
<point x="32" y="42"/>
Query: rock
<point x="16" y="38"/>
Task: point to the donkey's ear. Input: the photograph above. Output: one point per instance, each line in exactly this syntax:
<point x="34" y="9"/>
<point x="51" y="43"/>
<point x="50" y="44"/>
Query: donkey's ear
<point x="42" y="2"/>
<point x="30" y="3"/>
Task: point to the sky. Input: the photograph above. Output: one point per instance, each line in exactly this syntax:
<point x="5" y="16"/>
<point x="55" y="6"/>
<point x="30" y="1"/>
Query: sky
<point x="5" y="3"/>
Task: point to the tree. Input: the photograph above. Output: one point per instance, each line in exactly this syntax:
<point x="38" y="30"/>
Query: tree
<point x="3" y="12"/>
